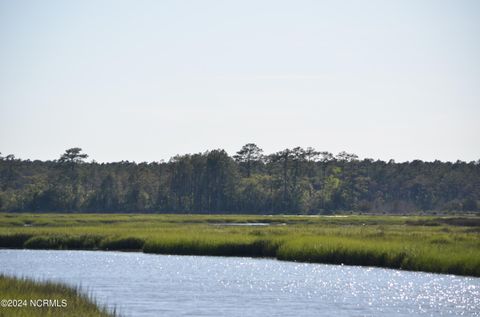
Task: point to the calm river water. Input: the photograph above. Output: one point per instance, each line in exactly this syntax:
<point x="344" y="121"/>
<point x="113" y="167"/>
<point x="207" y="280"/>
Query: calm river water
<point x="138" y="284"/>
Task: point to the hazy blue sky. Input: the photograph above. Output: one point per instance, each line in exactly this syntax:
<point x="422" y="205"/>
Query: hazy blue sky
<point x="145" y="80"/>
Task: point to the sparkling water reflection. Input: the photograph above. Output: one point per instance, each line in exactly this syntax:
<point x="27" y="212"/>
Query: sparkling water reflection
<point x="138" y="284"/>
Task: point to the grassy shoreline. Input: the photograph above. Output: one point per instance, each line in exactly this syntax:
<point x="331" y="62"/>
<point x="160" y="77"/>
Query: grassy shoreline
<point x="25" y="297"/>
<point x="434" y="244"/>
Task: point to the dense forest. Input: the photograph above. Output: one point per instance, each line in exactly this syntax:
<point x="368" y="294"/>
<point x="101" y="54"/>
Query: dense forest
<point x="290" y="181"/>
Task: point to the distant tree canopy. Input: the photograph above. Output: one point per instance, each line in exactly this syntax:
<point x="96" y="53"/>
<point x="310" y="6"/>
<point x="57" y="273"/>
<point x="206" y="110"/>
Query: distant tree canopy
<point x="294" y="180"/>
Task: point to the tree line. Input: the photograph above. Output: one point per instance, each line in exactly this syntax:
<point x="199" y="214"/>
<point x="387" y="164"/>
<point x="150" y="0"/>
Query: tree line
<point x="294" y="180"/>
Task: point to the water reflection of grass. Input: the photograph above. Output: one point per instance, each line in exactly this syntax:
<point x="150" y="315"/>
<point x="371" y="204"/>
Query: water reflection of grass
<point x="433" y="244"/>
<point x="22" y="297"/>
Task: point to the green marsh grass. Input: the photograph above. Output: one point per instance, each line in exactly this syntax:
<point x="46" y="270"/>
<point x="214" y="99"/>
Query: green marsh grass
<point x="77" y="303"/>
<point x="451" y="245"/>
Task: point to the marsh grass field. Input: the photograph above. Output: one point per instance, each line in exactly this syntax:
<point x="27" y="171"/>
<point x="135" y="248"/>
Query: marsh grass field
<point x="436" y="244"/>
<point x="24" y="290"/>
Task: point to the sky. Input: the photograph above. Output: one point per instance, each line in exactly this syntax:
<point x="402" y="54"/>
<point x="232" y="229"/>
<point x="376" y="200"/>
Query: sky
<point x="146" y="80"/>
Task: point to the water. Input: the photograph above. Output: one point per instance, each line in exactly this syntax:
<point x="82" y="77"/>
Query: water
<point x="138" y="284"/>
<point x="247" y="224"/>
